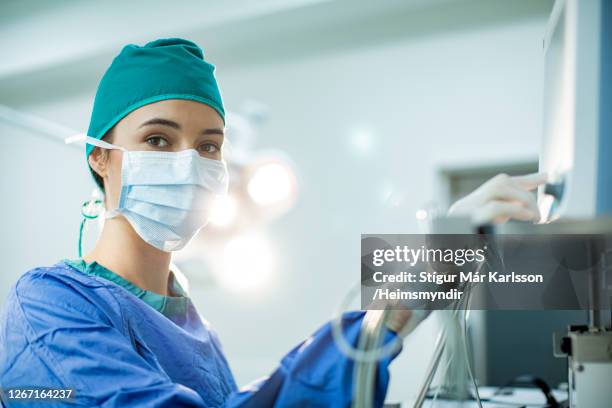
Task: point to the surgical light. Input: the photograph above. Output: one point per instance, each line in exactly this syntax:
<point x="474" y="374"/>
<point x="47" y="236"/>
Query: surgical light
<point x="224" y="211"/>
<point x="247" y="263"/>
<point x="271" y="183"/>
<point x="361" y="141"/>
<point x="421" y="215"/>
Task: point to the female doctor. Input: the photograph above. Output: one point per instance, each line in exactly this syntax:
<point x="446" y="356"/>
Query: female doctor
<point x="115" y="327"/>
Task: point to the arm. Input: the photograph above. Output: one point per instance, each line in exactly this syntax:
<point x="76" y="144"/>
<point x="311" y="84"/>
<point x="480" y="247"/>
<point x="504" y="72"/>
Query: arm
<point x="315" y="373"/>
<point x="55" y="336"/>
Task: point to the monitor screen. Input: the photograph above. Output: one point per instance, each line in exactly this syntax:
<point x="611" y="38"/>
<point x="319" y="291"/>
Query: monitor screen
<point x="571" y="112"/>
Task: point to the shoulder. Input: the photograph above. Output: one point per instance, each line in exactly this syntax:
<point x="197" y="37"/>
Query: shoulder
<point x="61" y="291"/>
<point x="55" y="282"/>
<point x="59" y="274"/>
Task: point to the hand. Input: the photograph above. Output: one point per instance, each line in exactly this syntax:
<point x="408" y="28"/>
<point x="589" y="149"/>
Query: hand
<point x="400" y="319"/>
<point x="500" y="199"/>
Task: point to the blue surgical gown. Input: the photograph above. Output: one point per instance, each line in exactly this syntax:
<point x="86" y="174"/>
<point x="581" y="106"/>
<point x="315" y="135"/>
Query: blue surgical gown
<point x="65" y="328"/>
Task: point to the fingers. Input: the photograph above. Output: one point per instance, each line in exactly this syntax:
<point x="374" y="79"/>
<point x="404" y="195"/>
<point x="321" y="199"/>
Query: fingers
<point x="516" y="189"/>
<point x="502" y="198"/>
<point x="500" y="211"/>
<point x="514" y="193"/>
<point x="531" y="181"/>
<point x="397" y="319"/>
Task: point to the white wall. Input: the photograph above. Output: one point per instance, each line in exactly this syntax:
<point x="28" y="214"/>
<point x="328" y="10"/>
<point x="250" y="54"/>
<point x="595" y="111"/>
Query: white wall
<point x="462" y="96"/>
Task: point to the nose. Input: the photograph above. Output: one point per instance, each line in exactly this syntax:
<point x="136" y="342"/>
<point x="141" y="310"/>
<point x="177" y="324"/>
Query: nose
<point x="185" y="144"/>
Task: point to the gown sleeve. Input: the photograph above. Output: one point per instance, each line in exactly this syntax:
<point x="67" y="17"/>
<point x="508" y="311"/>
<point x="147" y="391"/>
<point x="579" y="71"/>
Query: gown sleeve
<point x="53" y="336"/>
<point x="315" y="373"/>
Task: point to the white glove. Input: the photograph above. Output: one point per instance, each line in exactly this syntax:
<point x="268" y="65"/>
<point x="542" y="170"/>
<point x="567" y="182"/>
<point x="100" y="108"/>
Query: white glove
<point x="400" y="320"/>
<point x="500" y="199"/>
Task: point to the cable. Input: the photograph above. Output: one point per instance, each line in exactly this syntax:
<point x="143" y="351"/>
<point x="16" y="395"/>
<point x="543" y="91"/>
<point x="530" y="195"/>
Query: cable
<point x="371" y="335"/>
<point x="435" y="397"/>
<point x="462" y="305"/>
<point x="356" y="354"/>
<point x="533" y="381"/>
<point x="466" y="347"/>
<point x="439" y="348"/>
<point x="466" y="350"/>
<point x="368" y="356"/>
<point x="465" y="332"/>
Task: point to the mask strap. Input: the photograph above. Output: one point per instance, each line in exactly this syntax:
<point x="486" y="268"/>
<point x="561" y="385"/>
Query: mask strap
<point x="101" y="143"/>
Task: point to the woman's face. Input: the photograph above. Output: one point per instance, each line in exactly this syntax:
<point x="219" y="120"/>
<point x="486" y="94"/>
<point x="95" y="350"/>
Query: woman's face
<point x="170" y="126"/>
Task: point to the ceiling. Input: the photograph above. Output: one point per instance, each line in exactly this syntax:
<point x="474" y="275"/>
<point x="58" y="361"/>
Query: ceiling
<point x="64" y="46"/>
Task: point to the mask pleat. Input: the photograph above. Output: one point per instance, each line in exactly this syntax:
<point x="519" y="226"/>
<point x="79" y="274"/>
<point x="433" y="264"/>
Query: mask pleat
<point x="167" y="196"/>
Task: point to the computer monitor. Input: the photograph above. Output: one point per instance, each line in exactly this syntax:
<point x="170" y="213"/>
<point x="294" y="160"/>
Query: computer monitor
<point x="577" y="148"/>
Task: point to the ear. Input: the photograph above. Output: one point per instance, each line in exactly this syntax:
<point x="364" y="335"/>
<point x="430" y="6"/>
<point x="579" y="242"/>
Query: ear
<point x="98" y="160"/>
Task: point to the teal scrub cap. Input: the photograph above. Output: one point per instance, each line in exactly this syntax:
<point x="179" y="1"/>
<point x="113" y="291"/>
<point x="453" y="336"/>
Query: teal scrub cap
<point x="168" y="68"/>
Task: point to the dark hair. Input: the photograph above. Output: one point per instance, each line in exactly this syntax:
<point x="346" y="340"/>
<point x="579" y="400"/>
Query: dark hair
<point x="108" y="137"/>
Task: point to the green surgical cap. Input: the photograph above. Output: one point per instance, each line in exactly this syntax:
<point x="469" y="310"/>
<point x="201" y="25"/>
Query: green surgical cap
<point x="169" y="68"/>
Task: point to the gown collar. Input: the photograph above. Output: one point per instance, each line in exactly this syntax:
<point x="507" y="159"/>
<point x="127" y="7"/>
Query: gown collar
<point x="175" y="303"/>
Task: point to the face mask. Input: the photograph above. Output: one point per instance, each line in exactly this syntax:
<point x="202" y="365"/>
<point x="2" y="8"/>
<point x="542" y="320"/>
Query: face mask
<point x="167" y="197"/>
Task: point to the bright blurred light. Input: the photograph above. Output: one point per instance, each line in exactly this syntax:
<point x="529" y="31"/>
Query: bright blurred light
<point x="247" y="263"/>
<point x="271" y="183"/>
<point x="421" y="214"/>
<point x="361" y="141"/>
<point x="224" y="211"/>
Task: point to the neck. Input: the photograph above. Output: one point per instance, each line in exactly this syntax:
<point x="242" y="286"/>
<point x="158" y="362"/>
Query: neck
<point x="121" y="250"/>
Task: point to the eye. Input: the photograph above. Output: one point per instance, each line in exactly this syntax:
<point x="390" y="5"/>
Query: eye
<point x="157" y="141"/>
<point x="209" y="148"/>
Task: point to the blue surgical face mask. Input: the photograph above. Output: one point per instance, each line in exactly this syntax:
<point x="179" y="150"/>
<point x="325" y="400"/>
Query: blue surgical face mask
<point x="167" y="197"/>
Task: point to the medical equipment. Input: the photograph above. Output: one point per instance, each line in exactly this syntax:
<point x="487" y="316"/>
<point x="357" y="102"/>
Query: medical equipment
<point x="578" y="197"/>
<point x="451" y="345"/>
<point x="370" y="349"/>
<point x="577" y="149"/>
<point x="575" y="154"/>
<point x="588" y="347"/>
<point x="577" y="133"/>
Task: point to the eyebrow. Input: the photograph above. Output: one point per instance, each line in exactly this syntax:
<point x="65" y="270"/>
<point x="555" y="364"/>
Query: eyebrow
<point x="175" y="125"/>
<point x="163" y="122"/>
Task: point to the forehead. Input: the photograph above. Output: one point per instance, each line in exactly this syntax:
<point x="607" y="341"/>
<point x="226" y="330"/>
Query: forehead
<point x="185" y="112"/>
